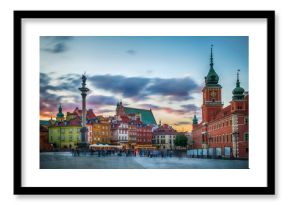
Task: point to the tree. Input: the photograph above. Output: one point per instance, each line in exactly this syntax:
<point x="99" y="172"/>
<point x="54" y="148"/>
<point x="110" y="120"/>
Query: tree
<point x="180" y="140"/>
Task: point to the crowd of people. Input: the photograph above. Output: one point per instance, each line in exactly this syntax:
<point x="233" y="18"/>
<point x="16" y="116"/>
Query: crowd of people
<point x="127" y="153"/>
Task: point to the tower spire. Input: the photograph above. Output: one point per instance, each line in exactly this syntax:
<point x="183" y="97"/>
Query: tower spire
<point x="212" y="77"/>
<point x="238" y="92"/>
<point x="194" y="120"/>
<point x="59" y="108"/>
<point x="60" y="115"/>
<point x="238" y="80"/>
<point x="211" y="57"/>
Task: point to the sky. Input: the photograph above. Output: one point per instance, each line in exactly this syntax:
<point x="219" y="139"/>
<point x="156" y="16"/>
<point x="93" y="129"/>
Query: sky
<point x="164" y="73"/>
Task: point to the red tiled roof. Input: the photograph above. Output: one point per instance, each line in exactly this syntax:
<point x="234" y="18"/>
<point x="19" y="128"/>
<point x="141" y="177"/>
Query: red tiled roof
<point x="166" y="129"/>
<point x="91" y="116"/>
<point x="125" y="119"/>
<point x="90" y="113"/>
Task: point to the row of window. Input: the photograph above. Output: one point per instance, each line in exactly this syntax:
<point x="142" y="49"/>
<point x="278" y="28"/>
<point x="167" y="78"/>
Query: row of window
<point x="62" y="138"/>
<point x="163" y="136"/>
<point x="220" y="125"/>
<point x="101" y="133"/>
<point x="123" y="131"/>
<point x="103" y="127"/>
<point x="77" y="130"/>
<point x="220" y="139"/>
<point x="226" y="138"/>
<point x="224" y="123"/>
<point x="122" y="138"/>
<point x="102" y="140"/>
<point x="163" y="141"/>
<point x="143" y="140"/>
<point x="123" y="126"/>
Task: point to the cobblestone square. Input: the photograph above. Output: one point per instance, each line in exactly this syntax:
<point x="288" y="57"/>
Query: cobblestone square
<point x="65" y="160"/>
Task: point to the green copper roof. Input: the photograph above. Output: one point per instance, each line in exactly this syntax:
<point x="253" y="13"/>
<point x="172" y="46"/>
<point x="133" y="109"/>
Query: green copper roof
<point x="44" y="122"/>
<point x="212" y="77"/>
<point x="60" y="114"/>
<point x="147" y="116"/>
<point x="238" y="92"/>
<point x="194" y="120"/>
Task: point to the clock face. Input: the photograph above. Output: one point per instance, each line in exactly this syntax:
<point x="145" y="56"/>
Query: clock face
<point x="212" y="93"/>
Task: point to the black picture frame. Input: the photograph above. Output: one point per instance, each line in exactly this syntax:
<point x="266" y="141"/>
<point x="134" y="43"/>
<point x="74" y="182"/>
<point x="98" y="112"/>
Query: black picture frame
<point x="269" y="189"/>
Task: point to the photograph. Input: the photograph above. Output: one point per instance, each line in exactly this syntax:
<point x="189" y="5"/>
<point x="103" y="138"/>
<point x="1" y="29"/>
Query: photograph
<point x="144" y="102"/>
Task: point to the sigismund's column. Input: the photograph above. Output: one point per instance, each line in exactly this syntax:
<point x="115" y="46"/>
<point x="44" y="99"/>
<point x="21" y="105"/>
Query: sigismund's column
<point x="84" y="142"/>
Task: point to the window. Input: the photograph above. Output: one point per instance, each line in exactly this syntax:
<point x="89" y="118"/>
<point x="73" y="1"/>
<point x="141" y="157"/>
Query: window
<point x="62" y="138"/>
<point x="246" y="120"/>
<point x="70" y="138"/>
<point x="246" y="137"/>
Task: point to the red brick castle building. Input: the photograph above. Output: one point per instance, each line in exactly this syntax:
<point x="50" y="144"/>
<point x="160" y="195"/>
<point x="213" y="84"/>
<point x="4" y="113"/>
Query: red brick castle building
<point x="223" y="131"/>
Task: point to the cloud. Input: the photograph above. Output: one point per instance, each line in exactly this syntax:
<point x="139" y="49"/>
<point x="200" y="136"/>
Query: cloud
<point x="49" y="101"/>
<point x="101" y="100"/>
<point x="148" y="106"/>
<point x="183" y="123"/>
<point x="190" y="107"/>
<point x="55" y="44"/>
<point x="176" y="88"/>
<point x="127" y="86"/>
<point x="131" y="52"/>
<point x="149" y="72"/>
<point x="105" y="110"/>
<point x="138" y="88"/>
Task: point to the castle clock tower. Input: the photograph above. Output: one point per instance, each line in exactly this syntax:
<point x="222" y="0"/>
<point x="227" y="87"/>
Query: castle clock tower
<point x="212" y="97"/>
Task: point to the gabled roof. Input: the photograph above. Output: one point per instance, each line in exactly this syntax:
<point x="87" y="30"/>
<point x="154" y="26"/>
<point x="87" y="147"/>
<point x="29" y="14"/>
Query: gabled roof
<point x="125" y="119"/>
<point x="147" y="116"/>
<point x="165" y="129"/>
<point x="90" y="114"/>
